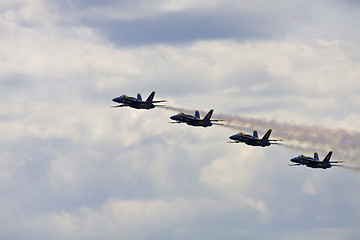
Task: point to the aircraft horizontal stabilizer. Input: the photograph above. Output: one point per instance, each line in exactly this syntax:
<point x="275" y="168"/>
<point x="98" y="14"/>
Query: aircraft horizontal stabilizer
<point x="158" y="101"/>
<point x="336" y="162"/>
<point x="217" y="120"/>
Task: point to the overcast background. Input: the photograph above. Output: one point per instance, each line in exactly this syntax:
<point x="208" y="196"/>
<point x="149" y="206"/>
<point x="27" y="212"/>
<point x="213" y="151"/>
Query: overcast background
<point x="71" y="167"/>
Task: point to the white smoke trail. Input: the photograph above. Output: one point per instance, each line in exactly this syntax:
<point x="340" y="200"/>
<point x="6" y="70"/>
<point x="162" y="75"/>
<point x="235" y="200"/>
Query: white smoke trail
<point x="355" y="169"/>
<point x="307" y="139"/>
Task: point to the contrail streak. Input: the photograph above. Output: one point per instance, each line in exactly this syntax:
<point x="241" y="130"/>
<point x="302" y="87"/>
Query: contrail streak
<point x="304" y="138"/>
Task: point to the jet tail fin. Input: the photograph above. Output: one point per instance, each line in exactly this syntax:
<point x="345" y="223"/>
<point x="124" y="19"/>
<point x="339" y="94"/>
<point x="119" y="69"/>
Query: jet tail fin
<point x="197" y="114"/>
<point x="316" y="155"/>
<point x="328" y="156"/>
<point x="208" y="115"/>
<point x="151" y="96"/>
<point x="255" y="134"/>
<point x="267" y="134"/>
<point x="139" y="97"/>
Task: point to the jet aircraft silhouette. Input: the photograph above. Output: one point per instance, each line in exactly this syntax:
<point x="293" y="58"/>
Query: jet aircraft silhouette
<point x="137" y="103"/>
<point x="253" y="140"/>
<point x="314" y="162"/>
<point x="195" y="120"/>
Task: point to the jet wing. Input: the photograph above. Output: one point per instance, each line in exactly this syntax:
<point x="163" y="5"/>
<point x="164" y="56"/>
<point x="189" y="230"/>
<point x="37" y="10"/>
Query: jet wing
<point x="119" y="106"/>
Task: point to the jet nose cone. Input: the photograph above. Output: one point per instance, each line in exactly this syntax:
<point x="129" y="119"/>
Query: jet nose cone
<point x="117" y="99"/>
<point x="175" y="117"/>
<point x="232" y="137"/>
<point x="293" y="160"/>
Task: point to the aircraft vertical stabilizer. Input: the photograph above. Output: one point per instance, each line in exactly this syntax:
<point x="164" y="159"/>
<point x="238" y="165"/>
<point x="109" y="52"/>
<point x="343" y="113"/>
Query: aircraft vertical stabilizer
<point x="255" y="134"/>
<point x="151" y="96"/>
<point x="267" y="134"/>
<point x="197" y="114"/>
<point x="139" y="97"/>
<point x="208" y="115"/>
<point x="316" y="155"/>
<point x="328" y="156"/>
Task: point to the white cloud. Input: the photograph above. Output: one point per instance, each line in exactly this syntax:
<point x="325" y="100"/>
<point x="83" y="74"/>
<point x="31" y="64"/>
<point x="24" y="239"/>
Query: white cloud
<point x="309" y="188"/>
<point x="135" y="219"/>
<point x="232" y="175"/>
<point x="27" y="14"/>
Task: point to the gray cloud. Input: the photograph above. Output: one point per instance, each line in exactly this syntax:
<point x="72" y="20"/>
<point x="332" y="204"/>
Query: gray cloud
<point x="178" y="28"/>
<point x="228" y="20"/>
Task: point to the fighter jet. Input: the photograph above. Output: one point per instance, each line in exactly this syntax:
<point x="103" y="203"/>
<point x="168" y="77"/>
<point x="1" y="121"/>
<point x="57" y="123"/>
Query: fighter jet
<point x="195" y="120"/>
<point x="314" y="162"/>
<point x="137" y="103"/>
<point x="253" y="140"/>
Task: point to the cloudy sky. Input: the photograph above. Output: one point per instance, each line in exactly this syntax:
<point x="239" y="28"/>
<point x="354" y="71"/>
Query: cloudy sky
<point x="71" y="167"/>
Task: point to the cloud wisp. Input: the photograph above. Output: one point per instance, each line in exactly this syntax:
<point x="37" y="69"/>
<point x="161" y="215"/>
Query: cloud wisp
<point x="301" y="137"/>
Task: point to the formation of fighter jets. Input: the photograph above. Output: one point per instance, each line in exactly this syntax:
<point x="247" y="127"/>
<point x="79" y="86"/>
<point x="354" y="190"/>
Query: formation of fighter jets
<point x="252" y="140"/>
